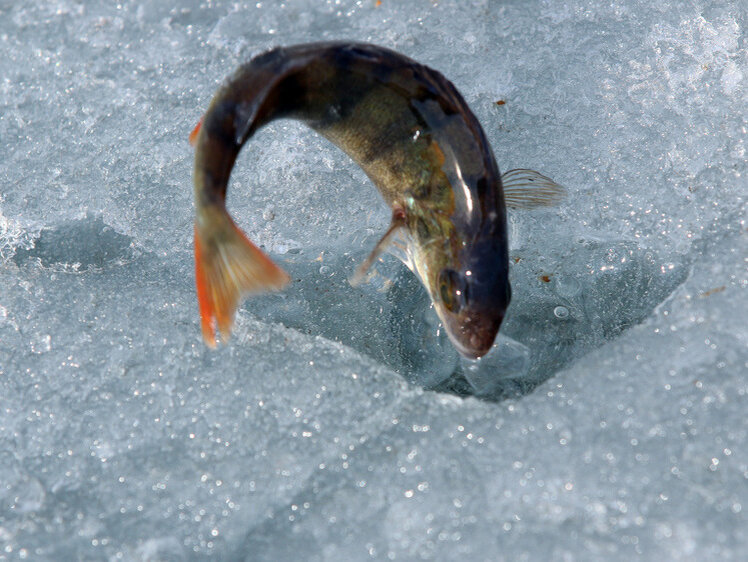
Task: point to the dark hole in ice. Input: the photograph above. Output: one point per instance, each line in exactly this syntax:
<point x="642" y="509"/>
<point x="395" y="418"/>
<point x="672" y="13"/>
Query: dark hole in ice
<point x="78" y="245"/>
<point x="596" y="289"/>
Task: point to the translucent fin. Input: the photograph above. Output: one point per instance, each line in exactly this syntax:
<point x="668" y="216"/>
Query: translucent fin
<point x="398" y="221"/>
<point x="195" y="132"/>
<point x="399" y="247"/>
<point x="528" y="189"/>
<point x="227" y="267"/>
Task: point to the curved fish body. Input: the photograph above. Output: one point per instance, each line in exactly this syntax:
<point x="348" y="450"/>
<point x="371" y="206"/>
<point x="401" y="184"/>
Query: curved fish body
<point x="416" y="139"/>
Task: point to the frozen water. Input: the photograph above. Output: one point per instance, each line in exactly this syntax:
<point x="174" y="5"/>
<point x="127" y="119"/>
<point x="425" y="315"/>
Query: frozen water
<point x="339" y="424"/>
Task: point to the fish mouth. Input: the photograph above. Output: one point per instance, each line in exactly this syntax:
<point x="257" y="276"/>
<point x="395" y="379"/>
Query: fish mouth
<point x="473" y="334"/>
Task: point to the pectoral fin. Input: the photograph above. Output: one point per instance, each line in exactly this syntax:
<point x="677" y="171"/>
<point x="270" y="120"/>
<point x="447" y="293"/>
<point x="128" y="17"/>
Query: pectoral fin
<point x="528" y="189"/>
<point x="392" y="234"/>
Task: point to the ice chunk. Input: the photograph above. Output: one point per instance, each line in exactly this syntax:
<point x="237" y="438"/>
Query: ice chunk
<point x="508" y="359"/>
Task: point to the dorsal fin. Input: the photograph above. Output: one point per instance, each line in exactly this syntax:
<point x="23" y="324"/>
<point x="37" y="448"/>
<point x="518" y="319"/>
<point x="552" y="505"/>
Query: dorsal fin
<point x="528" y="189"/>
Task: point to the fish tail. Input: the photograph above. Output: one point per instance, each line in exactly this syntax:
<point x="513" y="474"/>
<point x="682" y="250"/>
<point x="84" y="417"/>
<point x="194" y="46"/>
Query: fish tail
<point x="227" y="267"/>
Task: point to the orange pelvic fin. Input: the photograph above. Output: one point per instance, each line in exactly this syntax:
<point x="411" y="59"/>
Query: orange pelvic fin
<point x="195" y="132"/>
<point x="227" y="267"/>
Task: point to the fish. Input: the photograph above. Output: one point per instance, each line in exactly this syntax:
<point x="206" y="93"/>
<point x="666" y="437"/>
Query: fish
<point x="418" y="142"/>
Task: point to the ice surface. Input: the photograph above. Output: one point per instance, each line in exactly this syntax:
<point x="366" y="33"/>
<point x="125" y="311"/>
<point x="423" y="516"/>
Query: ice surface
<point x="339" y="424"/>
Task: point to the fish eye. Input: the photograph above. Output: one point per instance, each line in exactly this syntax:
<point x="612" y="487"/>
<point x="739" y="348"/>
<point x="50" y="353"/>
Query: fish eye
<point x="452" y="289"/>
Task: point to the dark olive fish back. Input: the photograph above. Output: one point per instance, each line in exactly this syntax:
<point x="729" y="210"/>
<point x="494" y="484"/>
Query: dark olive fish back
<point x="382" y="108"/>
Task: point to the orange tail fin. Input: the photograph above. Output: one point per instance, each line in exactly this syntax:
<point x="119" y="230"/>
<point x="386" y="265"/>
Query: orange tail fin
<point x="227" y="267"/>
<point x="195" y="132"/>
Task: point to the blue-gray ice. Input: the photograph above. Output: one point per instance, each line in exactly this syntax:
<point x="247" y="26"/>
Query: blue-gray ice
<point x="610" y="421"/>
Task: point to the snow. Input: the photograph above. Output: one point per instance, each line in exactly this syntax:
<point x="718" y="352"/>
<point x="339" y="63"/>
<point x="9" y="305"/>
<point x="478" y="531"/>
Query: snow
<point x="337" y="425"/>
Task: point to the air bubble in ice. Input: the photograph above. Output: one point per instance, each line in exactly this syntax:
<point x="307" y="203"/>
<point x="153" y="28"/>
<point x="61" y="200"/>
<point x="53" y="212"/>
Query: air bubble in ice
<point x="561" y="312"/>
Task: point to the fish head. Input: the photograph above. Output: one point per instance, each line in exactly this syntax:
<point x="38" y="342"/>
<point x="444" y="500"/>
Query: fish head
<point x="469" y="286"/>
<point x="473" y="296"/>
